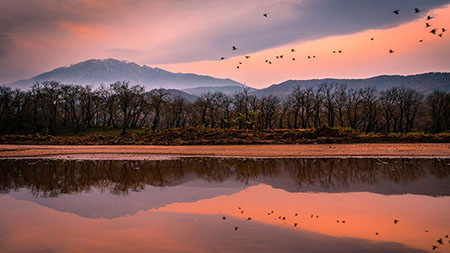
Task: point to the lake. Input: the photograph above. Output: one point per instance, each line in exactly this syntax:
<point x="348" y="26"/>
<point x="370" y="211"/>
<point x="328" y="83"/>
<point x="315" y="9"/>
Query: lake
<point x="217" y="204"/>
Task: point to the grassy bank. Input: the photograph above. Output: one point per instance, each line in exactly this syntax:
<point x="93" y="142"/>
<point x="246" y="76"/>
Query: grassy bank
<point x="202" y="136"/>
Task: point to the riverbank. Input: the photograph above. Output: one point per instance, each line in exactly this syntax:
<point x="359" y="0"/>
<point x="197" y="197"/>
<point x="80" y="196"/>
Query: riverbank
<point x="302" y="150"/>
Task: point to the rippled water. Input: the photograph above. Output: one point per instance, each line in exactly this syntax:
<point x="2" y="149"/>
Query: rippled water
<point x="225" y="205"/>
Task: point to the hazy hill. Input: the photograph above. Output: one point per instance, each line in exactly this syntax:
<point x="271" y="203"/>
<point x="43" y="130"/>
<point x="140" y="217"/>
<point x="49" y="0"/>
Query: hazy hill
<point x="424" y="83"/>
<point x="229" y="90"/>
<point x="95" y="72"/>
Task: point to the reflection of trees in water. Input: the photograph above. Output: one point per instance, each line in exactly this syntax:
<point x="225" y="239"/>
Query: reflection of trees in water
<point x="50" y="178"/>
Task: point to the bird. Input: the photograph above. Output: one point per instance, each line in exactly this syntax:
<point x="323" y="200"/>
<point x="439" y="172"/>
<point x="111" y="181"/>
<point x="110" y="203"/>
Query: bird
<point x="440" y="241"/>
<point x="234" y="48"/>
<point x="224" y="218"/>
<point x="427" y="25"/>
<point x="268" y="213"/>
<point x="270" y="62"/>
<point x="293" y="59"/>
<point x="277" y="57"/>
<point x="440" y="35"/>
<point x="295" y="224"/>
<point x="396" y="12"/>
<point x="334" y="52"/>
<point x="222" y="58"/>
<point x="296" y="214"/>
<point x="284" y="218"/>
<point x="309" y="57"/>
<point x="267" y="60"/>
<point x="240" y="62"/>
<point x="241" y="211"/>
<point x="249" y="218"/>
<point x="340" y="51"/>
<point x="429" y="17"/>
<point x="395" y="221"/>
<point x="281" y="56"/>
<point x="237" y="68"/>
<point x="421" y="41"/>
<point x="235" y="228"/>
<point x="343" y="221"/>
<point x="292" y="50"/>
<point x="312" y="216"/>
<point x="337" y="221"/>
<point x="372" y="39"/>
<point x="265" y="15"/>
<point x="434" y="247"/>
<point x="247" y="56"/>
<point x="314" y="56"/>
<point x="446" y="236"/>
<point x="391" y="52"/>
<point x="376" y="233"/>
<point x="433" y="31"/>
<point x="444" y="30"/>
<point x="416" y="10"/>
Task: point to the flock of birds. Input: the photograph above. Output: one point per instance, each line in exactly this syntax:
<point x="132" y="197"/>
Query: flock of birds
<point x="440" y="241"/>
<point x="434" y="31"/>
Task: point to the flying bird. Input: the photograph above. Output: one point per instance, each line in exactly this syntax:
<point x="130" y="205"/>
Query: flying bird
<point x="265" y="15"/>
<point x="429" y="17"/>
<point x="234" y="48"/>
<point x="293" y="59"/>
<point x="434" y="247"/>
<point x="277" y="57"/>
<point x="444" y="30"/>
<point x="440" y="241"/>
<point x="371" y="39"/>
<point x="309" y="57"/>
<point x="224" y="218"/>
<point x="395" y="221"/>
<point x="440" y="35"/>
<point x="281" y="56"/>
<point x="249" y="218"/>
<point x="237" y="68"/>
<point x="334" y="52"/>
<point x="292" y="50"/>
<point x="247" y="56"/>
<point x="421" y="41"/>
<point x="433" y="31"/>
<point x="416" y="10"/>
<point x="427" y="25"/>
<point x="240" y="62"/>
<point x="222" y="58"/>
<point x="235" y="228"/>
<point x="396" y="12"/>
<point x="340" y="51"/>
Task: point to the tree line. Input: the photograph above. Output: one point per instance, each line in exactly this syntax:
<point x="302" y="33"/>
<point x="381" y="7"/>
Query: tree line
<point x="48" y="107"/>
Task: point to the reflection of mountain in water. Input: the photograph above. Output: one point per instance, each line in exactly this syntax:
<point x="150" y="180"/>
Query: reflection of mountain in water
<point x="115" y="188"/>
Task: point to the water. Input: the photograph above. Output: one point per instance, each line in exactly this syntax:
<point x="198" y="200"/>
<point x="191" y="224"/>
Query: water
<point x="204" y="204"/>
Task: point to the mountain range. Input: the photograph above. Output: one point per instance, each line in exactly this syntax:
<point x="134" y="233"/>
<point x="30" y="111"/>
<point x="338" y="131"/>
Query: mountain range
<point x="96" y="72"/>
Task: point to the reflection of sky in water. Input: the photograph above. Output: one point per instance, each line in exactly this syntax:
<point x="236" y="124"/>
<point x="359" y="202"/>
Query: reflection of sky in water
<point x="179" y="205"/>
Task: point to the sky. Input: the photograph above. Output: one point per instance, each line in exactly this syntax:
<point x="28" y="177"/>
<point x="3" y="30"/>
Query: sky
<point x="192" y="35"/>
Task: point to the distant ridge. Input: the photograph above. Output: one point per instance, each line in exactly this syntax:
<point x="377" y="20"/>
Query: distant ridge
<point x="424" y="83"/>
<point x="95" y="72"/>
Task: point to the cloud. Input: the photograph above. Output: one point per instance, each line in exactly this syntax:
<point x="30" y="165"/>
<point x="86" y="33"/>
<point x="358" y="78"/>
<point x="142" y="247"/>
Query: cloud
<point x="174" y="31"/>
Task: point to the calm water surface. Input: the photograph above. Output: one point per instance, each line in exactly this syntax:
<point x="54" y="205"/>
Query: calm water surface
<point x="225" y="205"/>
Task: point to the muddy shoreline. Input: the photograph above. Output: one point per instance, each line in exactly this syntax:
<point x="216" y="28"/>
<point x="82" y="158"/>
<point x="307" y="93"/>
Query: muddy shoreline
<point x="301" y="150"/>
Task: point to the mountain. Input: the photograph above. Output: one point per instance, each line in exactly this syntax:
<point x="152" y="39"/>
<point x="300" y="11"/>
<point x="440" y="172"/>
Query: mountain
<point x="95" y="72"/>
<point x="424" y="83"/>
<point x="229" y="90"/>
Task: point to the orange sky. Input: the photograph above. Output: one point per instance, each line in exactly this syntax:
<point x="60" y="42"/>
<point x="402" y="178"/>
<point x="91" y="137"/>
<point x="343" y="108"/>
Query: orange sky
<point x="361" y="57"/>
<point x="192" y="35"/>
